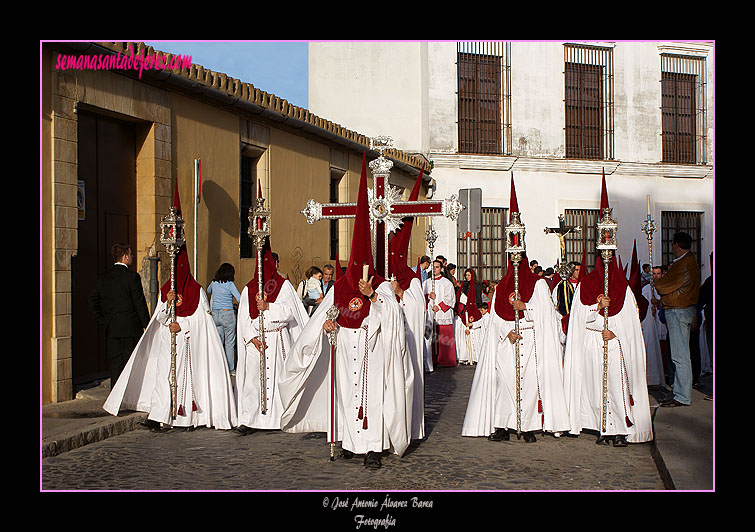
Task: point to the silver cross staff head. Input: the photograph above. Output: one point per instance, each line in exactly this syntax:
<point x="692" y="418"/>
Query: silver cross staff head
<point x="172" y="234"/>
<point x="332" y="314"/>
<point x="431" y="236"/>
<point x="514" y="233"/>
<point x="381" y="143"/>
<point x="607" y="228"/>
<point x="259" y="222"/>
<point x="649" y="227"/>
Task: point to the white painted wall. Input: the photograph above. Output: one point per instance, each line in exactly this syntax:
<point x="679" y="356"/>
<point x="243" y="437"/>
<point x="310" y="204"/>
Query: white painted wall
<point x="358" y="86"/>
<point x="408" y="90"/>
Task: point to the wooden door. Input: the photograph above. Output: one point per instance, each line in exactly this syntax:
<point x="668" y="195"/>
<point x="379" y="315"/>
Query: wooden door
<point x="107" y="215"/>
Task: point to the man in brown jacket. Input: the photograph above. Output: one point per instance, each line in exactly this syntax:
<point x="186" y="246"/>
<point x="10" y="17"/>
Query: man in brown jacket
<point x="679" y="290"/>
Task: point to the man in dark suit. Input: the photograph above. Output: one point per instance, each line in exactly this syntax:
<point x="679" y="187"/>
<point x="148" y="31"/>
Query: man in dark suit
<point x="118" y="304"/>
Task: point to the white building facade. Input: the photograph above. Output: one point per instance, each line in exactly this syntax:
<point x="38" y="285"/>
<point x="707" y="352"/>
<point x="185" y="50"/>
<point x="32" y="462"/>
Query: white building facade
<point x="556" y="115"/>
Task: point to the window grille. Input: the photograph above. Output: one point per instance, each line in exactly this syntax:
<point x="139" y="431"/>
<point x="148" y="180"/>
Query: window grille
<point x="247" y="196"/>
<point x="575" y="242"/>
<point x="589" y="127"/>
<point x="486" y="248"/>
<point x="683" y="113"/>
<point x="484" y="97"/>
<point x="675" y="221"/>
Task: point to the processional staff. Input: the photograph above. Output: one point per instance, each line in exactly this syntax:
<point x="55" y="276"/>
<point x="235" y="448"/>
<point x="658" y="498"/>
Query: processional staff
<point x="172" y="237"/>
<point x="332" y="315"/>
<point x="648" y="227"/>
<point x="259" y="230"/>
<point x="514" y="233"/>
<point x="607" y="228"/>
<point x="431" y="236"/>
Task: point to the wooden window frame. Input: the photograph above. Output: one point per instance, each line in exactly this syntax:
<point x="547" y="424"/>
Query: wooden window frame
<point x="487" y="253"/>
<point x="690" y="222"/>
<point x="683" y="109"/>
<point x="247" y="196"/>
<point x="484" y="98"/>
<point x="588" y="102"/>
<point x="585" y="239"/>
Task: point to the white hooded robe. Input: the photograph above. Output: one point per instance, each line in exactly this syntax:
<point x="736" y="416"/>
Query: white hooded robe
<point x="492" y="398"/>
<point x="381" y="382"/>
<point x="284" y="320"/>
<point x="412" y="305"/>
<point x="654" y="361"/>
<point x="583" y="371"/>
<point x="202" y="374"/>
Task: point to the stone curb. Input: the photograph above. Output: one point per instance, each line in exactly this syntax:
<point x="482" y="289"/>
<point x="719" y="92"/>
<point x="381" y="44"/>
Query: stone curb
<point x="95" y="434"/>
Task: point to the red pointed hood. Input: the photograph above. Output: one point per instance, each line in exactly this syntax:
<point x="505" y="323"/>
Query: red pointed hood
<point x="272" y="281"/>
<point x="353" y="307"/>
<point x="527" y="279"/>
<point x="556" y="278"/>
<point x="186" y="286"/>
<point x="592" y="283"/>
<point x="339" y="271"/>
<point x="633" y="265"/>
<point x="469" y="310"/>
<point x="176" y="198"/>
<point x="398" y="247"/>
<point x="635" y="282"/>
<point x="582" y="266"/>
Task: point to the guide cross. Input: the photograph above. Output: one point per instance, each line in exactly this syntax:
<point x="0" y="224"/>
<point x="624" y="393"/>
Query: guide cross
<point x="386" y="208"/>
<point x="561" y="231"/>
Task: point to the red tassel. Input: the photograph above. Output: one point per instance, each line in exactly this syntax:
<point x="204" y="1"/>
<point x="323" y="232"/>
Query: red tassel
<point x="180" y="410"/>
<point x="631" y="401"/>
<point x="194" y="406"/>
<point x="629" y="423"/>
<point x="539" y="406"/>
<point x="361" y="413"/>
<point x="364" y="425"/>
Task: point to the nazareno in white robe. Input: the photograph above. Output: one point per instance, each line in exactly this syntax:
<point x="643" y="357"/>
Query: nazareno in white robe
<point x="464" y="342"/>
<point x="654" y="361"/>
<point x="284" y="320"/>
<point x="412" y="305"/>
<point x="202" y="375"/>
<point x="477" y="333"/>
<point x="583" y="371"/>
<point x="492" y="397"/>
<point x="305" y="388"/>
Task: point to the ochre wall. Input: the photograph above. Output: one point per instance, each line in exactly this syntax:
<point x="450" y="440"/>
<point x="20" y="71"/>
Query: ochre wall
<point x="172" y="130"/>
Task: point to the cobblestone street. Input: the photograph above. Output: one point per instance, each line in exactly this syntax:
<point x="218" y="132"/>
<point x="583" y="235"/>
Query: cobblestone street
<point x="206" y="459"/>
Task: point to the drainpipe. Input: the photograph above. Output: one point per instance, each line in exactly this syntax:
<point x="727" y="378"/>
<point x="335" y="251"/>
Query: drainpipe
<point x="154" y="286"/>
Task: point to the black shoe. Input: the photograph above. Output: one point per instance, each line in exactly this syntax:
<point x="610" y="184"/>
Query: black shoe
<point x="672" y="403"/>
<point x="668" y="399"/>
<point x="620" y="441"/>
<point x="149" y="424"/>
<point x="244" y="430"/>
<point x="602" y="440"/>
<point x="346" y="454"/>
<point x="500" y="435"/>
<point x="372" y="460"/>
<point x="529" y="437"/>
